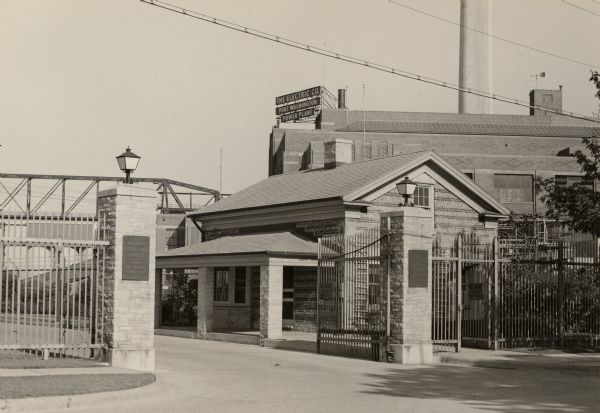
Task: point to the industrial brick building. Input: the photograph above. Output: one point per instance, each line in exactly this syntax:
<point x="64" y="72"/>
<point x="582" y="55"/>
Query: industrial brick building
<point x="501" y="153"/>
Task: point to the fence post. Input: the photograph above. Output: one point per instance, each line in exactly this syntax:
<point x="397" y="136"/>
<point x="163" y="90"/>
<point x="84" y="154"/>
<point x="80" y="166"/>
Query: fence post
<point x="459" y="307"/>
<point x="561" y="293"/>
<point x="495" y="297"/>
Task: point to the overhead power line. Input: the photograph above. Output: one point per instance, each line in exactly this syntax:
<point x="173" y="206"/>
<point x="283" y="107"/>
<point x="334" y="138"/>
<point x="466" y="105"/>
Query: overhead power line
<point x="493" y="36"/>
<point x="361" y="62"/>
<point x="581" y="8"/>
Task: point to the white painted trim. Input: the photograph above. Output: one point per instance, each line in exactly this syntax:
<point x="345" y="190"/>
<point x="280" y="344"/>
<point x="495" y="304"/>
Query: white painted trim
<point x="451" y="170"/>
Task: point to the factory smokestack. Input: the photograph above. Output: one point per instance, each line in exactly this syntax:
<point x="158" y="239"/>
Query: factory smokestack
<point x="475" y="55"/>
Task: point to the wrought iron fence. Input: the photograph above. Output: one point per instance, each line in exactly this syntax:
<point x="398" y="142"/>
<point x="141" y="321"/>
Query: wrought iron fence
<point x="510" y="292"/>
<point x="51" y="283"/>
<point x="351" y="287"/>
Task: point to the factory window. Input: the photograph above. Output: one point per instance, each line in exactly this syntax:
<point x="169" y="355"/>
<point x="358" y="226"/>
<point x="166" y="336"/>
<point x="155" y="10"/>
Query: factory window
<point x="568" y="180"/>
<point x="221" y="293"/>
<point x="513" y="188"/>
<point x="175" y="237"/>
<point x="421" y="197"/>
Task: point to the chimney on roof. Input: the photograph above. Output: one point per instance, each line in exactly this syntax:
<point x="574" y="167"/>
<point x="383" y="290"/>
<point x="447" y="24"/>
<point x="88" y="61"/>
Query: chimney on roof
<point x="337" y="152"/>
<point x="341" y="98"/>
<point x="545" y="98"/>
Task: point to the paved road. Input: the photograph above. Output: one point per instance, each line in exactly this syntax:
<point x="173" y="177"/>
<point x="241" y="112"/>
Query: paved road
<point x="199" y="376"/>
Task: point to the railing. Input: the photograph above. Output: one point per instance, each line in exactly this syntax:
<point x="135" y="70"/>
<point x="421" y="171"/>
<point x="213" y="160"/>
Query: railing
<point x="510" y="292"/>
<point x="351" y="284"/>
<point x="51" y="283"/>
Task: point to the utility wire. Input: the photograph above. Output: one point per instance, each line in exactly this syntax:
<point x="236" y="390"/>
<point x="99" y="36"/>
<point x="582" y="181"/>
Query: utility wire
<point x="581" y="8"/>
<point x="493" y="36"/>
<point x="357" y="61"/>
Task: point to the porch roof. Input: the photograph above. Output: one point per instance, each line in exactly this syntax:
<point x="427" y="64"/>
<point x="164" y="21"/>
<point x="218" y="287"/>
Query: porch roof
<point x="274" y="243"/>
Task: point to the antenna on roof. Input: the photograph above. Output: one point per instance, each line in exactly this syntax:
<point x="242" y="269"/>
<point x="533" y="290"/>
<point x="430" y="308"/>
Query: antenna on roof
<point x="221" y="170"/>
<point x="364" y="118"/>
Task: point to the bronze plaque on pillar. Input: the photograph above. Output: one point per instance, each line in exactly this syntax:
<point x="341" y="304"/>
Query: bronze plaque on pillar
<point x="418" y="268"/>
<point x="136" y="258"/>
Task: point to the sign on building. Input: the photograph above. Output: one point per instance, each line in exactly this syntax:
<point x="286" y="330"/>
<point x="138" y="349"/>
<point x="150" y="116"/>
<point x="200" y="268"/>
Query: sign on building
<point x="298" y="105"/>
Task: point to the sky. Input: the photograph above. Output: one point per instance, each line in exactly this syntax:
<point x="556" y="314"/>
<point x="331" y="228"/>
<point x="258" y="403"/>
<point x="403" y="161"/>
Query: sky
<point x="81" y="80"/>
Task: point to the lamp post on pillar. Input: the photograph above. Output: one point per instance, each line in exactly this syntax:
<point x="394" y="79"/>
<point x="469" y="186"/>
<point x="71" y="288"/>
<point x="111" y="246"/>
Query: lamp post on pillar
<point x="406" y="189"/>
<point x="128" y="162"/>
<point x="408" y="255"/>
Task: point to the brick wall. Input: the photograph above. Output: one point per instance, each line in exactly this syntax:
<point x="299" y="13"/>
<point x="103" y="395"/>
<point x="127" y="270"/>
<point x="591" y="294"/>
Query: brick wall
<point x="231" y="317"/>
<point x="305" y="299"/>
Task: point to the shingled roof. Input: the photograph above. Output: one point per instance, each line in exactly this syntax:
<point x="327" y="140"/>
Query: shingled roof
<point x="343" y="182"/>
<point x="312" y="184"/>
<point x="276" y="243"/>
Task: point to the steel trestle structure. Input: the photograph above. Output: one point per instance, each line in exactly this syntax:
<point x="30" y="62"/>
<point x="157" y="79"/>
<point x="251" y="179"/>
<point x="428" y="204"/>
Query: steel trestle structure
<point x="172" y="200"/>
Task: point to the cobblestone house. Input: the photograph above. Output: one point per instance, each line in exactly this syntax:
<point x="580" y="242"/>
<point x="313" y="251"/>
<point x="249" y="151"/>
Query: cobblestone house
<point x="340" y="197"/>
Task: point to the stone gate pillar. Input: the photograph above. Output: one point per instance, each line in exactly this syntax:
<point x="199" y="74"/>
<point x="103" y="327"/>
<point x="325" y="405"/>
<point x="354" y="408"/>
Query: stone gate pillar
<point x="129" y="275"/>
<point x="409" y="251"/>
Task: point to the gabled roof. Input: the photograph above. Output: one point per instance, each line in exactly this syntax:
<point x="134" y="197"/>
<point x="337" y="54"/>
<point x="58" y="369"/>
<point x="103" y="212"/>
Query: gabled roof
<point x="345" y="182"/>
<point x="275" y="243"/>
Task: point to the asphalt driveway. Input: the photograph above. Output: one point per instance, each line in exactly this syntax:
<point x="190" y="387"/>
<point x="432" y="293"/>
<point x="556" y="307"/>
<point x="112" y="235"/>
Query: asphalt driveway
<point x="202" y="376"/>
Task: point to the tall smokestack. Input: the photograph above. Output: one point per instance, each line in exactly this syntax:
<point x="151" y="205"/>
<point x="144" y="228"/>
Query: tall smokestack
<point x="475" y="55"/>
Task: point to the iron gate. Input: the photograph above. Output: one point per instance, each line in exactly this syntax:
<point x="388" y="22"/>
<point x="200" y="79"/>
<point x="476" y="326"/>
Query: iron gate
<point x="514" y="292"/>
<point x="51" y="283"/>
<point x="351" y="288"/>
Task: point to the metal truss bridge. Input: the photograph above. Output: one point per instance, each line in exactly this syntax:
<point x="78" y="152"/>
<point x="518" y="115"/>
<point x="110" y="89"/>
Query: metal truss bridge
<point x="27" y="194"/>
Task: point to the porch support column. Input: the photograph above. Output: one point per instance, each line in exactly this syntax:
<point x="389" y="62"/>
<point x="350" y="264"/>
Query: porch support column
<point x="271" y="297"/>
<point x="410" y="283"/>
<point x="158" y="297"/>
<point x="206" y="288"/>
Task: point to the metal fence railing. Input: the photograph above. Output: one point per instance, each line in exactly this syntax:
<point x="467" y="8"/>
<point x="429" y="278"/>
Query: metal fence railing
<point x="510" y="292"/>
<point x="351" y="285"/>
<point x="51" y="283"/>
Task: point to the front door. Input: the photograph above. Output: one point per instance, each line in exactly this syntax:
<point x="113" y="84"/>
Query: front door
<point x="288" y="297"/>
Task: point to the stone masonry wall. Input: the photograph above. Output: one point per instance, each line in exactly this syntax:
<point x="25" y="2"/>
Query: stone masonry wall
<point x="129" y="305"/>
<point x="305" y="299"/>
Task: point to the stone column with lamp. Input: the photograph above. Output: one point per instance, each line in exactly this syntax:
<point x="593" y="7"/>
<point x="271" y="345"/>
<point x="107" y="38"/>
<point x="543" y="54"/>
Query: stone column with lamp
<point x="129" y="279"/>
<point x="409" y="255"/>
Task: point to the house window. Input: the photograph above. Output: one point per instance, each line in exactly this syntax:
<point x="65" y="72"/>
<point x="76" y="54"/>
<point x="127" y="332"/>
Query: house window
<point x="175" y="238"/>
<point x="513" y="188"/>
<point x="239" y="291"/>
<point x="230" y="286"/>
<point x="568" y="180"/>
<point x="221" y="293"/>
<point x="421" y="196"/>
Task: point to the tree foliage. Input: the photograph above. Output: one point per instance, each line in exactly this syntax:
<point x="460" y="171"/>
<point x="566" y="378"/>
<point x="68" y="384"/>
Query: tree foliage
<point x="578" y="206"/>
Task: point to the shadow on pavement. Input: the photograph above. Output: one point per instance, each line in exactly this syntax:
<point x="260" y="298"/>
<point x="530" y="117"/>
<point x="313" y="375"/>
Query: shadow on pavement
<point x="494" y="389"/>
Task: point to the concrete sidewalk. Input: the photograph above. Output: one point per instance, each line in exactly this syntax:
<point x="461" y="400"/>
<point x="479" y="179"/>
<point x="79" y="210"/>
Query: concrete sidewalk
<point x="522" y="359"/>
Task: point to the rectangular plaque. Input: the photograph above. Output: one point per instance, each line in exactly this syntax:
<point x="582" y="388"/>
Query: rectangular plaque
<point x="418" y="268"/>
<point x="136" y="258"/>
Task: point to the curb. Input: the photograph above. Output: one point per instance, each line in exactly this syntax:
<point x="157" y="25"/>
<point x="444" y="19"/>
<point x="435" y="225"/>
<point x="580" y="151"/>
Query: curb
<point x="51" y="403"/>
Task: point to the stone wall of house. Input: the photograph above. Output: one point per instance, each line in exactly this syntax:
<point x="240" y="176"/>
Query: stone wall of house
<point x="305" y="299"/>
<point x="232" y="317"/>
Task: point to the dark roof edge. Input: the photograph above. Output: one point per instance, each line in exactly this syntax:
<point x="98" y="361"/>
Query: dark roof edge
<point x="199" y="213"/>
<point x="266" y="252"/>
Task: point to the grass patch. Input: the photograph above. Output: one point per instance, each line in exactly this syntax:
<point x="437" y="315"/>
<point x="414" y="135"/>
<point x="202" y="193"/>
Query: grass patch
<point x="43" y="386"/>
<point x="17" y="359"/>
